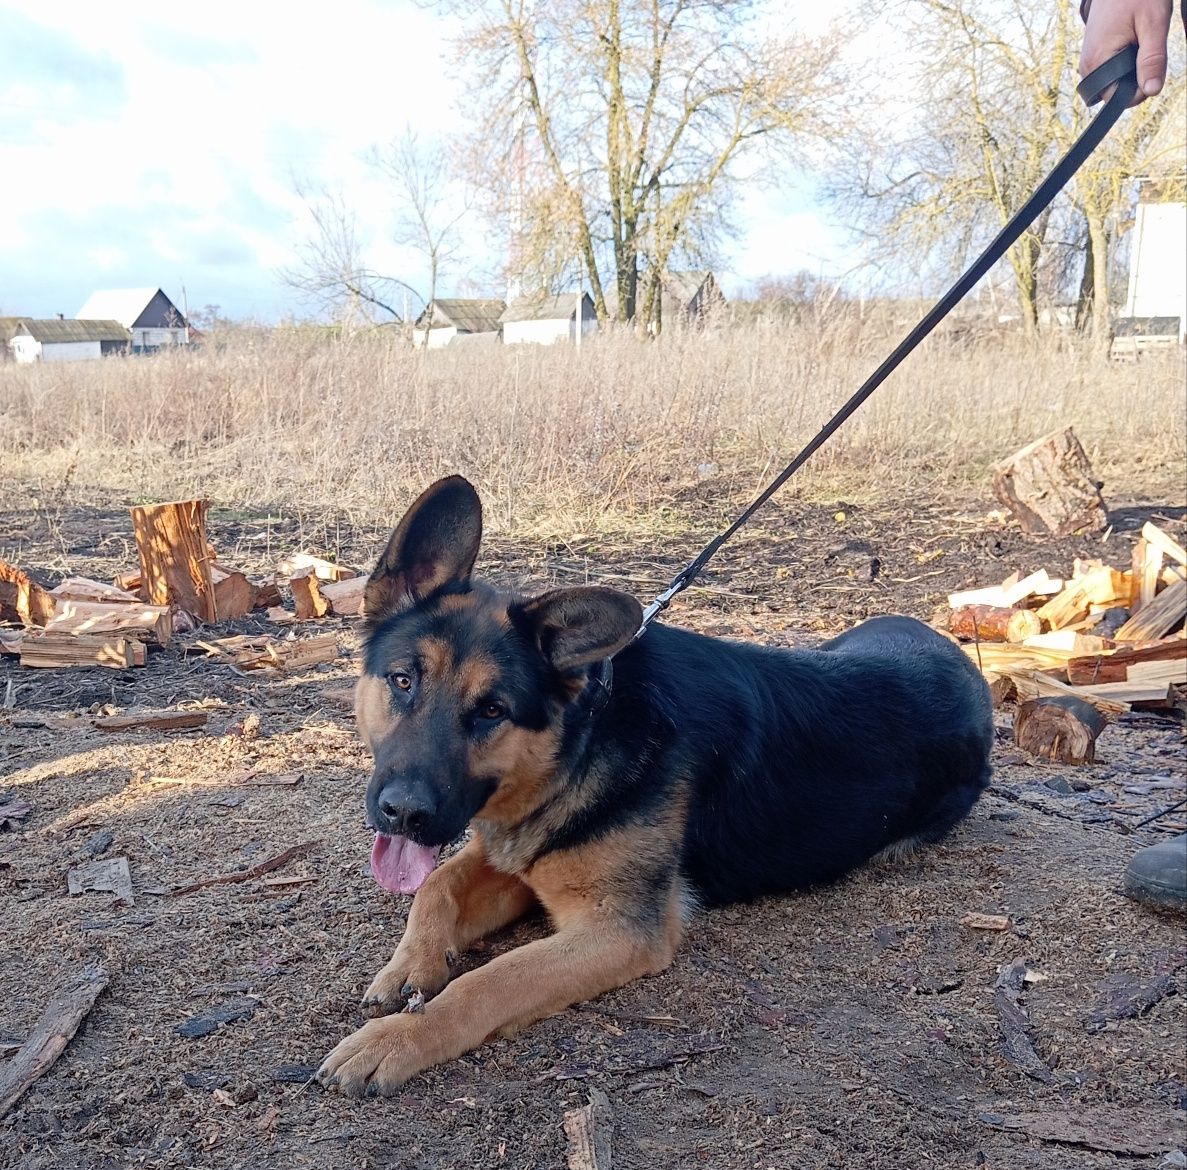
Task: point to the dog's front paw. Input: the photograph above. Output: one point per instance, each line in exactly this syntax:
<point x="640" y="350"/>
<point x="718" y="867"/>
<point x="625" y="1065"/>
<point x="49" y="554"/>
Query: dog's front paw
<point x="378" y="1058"/>
<point x="410" y="977"/>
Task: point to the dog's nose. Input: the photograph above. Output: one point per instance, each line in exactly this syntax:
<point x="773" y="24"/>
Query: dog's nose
<point x="406" y="815"/>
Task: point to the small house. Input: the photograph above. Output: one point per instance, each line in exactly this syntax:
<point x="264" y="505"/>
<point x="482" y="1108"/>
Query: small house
<point x="443" y="320"/>
<point x="689" y="298"/>
<point x="153" y="319"/>
<point x="545" y="320"/>
<point x="59" y="340"/>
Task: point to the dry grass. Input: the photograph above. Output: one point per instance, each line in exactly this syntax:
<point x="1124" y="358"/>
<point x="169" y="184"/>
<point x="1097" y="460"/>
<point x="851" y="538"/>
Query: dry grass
<point x="562" y="440"/>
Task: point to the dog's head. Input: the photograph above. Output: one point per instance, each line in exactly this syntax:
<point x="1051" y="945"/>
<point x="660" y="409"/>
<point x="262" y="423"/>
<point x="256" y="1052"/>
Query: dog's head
<point x="464" y="690"/>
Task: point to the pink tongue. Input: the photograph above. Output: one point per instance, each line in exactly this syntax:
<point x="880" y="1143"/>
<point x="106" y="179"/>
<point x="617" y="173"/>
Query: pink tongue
<point x="400" y="865"/>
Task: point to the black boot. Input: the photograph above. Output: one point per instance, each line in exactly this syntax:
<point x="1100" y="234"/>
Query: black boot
<point x="1157" y="875"/>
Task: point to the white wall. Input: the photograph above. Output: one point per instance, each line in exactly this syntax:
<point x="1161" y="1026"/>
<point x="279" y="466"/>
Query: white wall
<point x="1157" y="272"/>
<point x="69" y="351"/>
<point x="439" y="335"/>
<point x="150" y="338"/>
<point x="538" y="332"/>
<point x="25" y="349"/>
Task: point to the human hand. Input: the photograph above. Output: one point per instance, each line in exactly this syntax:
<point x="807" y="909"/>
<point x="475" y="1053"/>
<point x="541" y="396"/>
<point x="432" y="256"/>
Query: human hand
<point x="1113" y="24"/>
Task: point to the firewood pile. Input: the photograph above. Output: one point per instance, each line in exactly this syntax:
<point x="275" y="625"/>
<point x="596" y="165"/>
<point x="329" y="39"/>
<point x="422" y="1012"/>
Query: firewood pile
<point x="1080" y="651"/>
<point x="179" y="586"/>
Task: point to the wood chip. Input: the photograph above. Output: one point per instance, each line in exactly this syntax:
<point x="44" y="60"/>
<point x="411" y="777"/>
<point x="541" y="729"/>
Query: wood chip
<point x="978" y="921"/>
<point x="109" y="875"/>
<point x="152" y="721"/>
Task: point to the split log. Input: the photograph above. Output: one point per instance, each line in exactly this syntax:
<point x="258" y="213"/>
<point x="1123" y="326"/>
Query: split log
<point x="589" y="1131"/>
<point x="1062" y="729"/>
<point x="990" y="623"/>
<point x="1165" y="543"/>
<point x="267" y="594"/>
<point x="345" y="597"/>
<point x="84" y="589"/>
<point x="1070" y="641"/>
<point x="1049" y="486"/>
<point x="245" y="653"/>
<point x="1104" y="586"/>
<point x="62" y="1017"/>
<point x="174" y="557"/>
<point x="1114" y="667"/>
<point x="308" y="601"/>
<point x="1065" y="608"/>
<point x="1033" y="684"/>
<point x="302" y="563"/>
<point x="1157" y="618"/>
<point x="151" y="623"/>
<point x="234" y="594"/>
<point x="152" y="721"/>
<point x="45" y="648"/>
<point x="22" y="599"/>
<point x="1147" y="568"/>
<point x="129" y="581"/>
<point x="1011" y="592"/>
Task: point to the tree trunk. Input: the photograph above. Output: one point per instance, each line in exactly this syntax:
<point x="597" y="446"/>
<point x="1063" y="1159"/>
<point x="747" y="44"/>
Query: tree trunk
<point x="1049" y="486"/>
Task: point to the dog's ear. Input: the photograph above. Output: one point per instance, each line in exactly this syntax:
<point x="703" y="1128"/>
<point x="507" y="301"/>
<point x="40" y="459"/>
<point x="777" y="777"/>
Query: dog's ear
<point x="435" y="545"/>
<point x="576" y="627"/>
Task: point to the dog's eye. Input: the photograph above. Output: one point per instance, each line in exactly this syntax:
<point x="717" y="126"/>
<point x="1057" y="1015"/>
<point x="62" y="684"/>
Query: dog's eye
<point x="491" y="712"/>
<point x="399" y="681"/>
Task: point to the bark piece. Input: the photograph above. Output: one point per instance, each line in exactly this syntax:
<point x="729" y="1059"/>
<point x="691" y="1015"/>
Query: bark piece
<point x="345" y="597"/>
<point x="308" y="600"/>
<point x="990" y="623"/>
<point x="1014" y="1023"/>
<point x="174" y="556"/>
<point x="204" y="1023"/>
<point x="589" y="1130"/>
<point x="1049" y="486"/>
<point x="1138" y="1134"/>
<point x="110" y="875"/>
<point x="53" y="1031"/>
<point x="1157" y="618"/>
<point x="1063" y="729"/>
<point x="152" y="721"/>
<point x="22" y="599"/>
<point x="149" y="623"/>
<point x="56" y="650"/>
<point x="1090" y="669"/>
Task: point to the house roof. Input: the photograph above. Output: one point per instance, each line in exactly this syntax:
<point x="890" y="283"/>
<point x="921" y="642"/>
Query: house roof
<point x="546" y="308"/>
<point x="465" y="314"/>
<point x="8" y="327"/>
<point x="685" y="285"/>
<point x="125" y="305"/>
<point x="57" y="330"/>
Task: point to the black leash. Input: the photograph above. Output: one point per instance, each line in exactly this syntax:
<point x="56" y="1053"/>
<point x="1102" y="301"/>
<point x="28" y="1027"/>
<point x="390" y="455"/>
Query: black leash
<point x="1119" y="71"/>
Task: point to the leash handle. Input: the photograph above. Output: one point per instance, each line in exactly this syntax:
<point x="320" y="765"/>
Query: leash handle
<point x="1120" y="70"/>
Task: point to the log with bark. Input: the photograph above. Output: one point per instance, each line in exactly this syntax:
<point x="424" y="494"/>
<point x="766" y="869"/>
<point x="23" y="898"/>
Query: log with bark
<point x="175" y="558"/>
<point x="989" y="623"/>
<point x="1084" y="670"/>
<point x="22" y="599"/>
<point x="1063" y="729"/>
<point x="1049" y="486"/>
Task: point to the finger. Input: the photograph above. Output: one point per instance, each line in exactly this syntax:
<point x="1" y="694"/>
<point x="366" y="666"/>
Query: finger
<point x="1152" y="23"/>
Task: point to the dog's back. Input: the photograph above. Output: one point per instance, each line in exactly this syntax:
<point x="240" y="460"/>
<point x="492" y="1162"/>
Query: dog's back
<point x="804" y="764"/>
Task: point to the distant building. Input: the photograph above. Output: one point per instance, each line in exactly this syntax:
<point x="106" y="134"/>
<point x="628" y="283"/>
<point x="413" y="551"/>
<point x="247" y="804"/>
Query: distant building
<point x="689" y="298"/>
<point x="59" y="340"/>
<point x="443" y="320"/>
<point x="153" y="319"/>
<point x="544" y="320"/>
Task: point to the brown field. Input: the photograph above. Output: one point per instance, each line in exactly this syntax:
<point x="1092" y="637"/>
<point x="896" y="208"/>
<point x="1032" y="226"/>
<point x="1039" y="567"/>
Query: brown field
<point x="854" y="1026"/>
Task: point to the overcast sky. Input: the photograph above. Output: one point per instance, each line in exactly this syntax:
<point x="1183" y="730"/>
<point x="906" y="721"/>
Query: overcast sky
<point x="157" y="146"/>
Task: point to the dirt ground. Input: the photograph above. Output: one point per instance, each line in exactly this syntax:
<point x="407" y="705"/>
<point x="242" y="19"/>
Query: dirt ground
<point x="854" y="1026"/>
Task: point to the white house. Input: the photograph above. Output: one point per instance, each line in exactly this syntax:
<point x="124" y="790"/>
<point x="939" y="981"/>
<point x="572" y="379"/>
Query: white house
<point x="548" y="319"/>
<point x="443" y="320"/>
<point x="67" y="341"/>
<point x="152" y="317"/>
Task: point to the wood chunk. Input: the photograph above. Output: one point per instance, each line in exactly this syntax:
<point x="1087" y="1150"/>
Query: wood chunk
<point x="1150" y="673"/>
<point x="234" y="594"/>
<point x="1069" y="641"/>
<point x="1033" y="684"/>
<point x="302" y="563"/>
<point x="128" y="581"/>
<point x="589" y="1130"/>
<point x="1146" y="573"/>
<point x="267" y="594"/>
<point x="22" y="599"/>
<point x="308" y="601"/>
<point x="975" y="920"/>
<point x="1166" y="544"/>
<point x="10" y="641"/>
<point x="993" y="624"/>
<point x="1157" y="618"/>
<point x="280" y="615"/>
<point x="1114" y="667"/>
<point x="1065" y="608"/>
<point x="245" y="653"/>
<point x="110" y="875"/>
<point x="152" y="721"/>
<point x="174" y="556"/>
<point x="1049" y="486"/>
<point x="85" y="589"/>
<point x="1062" y="729"/>
<point x="53" y="1031"/>
<point x="1104" y="586"/>
<point x="345" y="597"/>
<point x="45" y="648"/>
<point x="151" y="623"/>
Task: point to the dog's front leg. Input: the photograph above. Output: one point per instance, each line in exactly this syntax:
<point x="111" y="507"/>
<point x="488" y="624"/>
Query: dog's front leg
<point x="540" y="979"/>
<point x="460" y="902"/>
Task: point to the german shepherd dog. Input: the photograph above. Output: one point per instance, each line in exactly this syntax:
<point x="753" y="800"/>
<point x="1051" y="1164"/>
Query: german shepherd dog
<point x="617" y="783"/>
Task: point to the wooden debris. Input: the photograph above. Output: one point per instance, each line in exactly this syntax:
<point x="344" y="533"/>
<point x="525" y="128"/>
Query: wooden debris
<point x="47" y="648"/>
<point x="1158" y="617"/>
<point x="234" y="594"/>
<point x="974" y="920"/>
<point x="174" y="556"/>
<point x="308" y="601"/>
<point x="1011" y="592"/>
<point x="150" y="623"/>
<point x="10" y="641"/>
<point x="1115" y="1130"/>
<point x="152" y="721"/>
<point x="248" y="875"/>
<point x="267" y="594"/>
<point x="1014" y="1023"/>
<point x="1031" y="684"/>
<point x="1114" y="666"/>
<point x="13" y="811"/>
<point x="22" y="599"/>
<point x="1166" y="544"/>
<point x="85" y="589"/>
<point x="345" y="597"/>
<point x="302" y="563"/>
<point x="1062" y="729"/>
<point x="1126" y="997"/>
<point x="280" y="615"/>
<point x="1049" y="486"/>
<point x="1069" y="642"/>
<point x="990" y="623"/>
<point x="265" y="652"/>
<point x="53" y="1031"/>
<point x="128" y="581"/>
<point x="1065" y="608"/>
<point x="204" y="1023"/>
<point x="590" y="1133"/>
<point x="110" y="875"/>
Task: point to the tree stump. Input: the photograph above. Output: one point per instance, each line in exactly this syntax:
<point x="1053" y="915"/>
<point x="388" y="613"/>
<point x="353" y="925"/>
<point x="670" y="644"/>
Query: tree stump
<point x="1049" y="487"/>
<point x="174" y="557"/>
<point x="1062" y="729"/>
